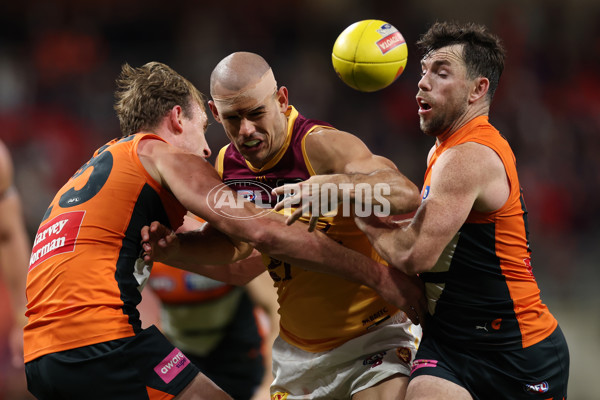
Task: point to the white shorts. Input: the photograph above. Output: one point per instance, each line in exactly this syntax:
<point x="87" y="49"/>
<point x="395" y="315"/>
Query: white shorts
<point x="356" y="365"/>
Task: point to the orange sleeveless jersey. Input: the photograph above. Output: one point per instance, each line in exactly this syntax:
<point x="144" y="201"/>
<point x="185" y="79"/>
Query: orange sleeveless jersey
<point x="177" y="286"/>
<point x="482" y="291"/>
<point x="318" y="311"/>
<point x="81" y="286"/>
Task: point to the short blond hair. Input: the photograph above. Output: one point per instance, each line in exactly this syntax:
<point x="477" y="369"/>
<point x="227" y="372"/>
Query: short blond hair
<point x="146" y="94"/>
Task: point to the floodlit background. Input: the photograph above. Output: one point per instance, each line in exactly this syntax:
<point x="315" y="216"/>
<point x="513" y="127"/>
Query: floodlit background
<point x="59" y="60"/>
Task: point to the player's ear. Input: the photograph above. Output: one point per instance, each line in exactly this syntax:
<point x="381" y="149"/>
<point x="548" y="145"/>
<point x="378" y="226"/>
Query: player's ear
<point x="214" y="111"/>
<point x="282" y="98"/>
<point x="480" y="89"/>
<point x="176" y="119"/>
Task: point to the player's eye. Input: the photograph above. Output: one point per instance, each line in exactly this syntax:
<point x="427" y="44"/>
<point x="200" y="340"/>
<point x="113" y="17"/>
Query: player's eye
<point x="256" y="114"/>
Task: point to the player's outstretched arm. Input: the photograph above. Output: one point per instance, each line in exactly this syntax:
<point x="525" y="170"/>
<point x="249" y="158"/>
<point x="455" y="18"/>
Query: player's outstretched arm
<point x="192" y="250"/>
<point x="348" y="177"/>
<point x="265" y="232"/>
<point x="467" y="177"/>
<point x="326" y="256"/>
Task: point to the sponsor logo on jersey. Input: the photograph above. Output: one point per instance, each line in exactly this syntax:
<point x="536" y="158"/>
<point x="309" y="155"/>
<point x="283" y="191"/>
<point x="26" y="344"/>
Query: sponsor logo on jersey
<point x="279" y="396"/>
<point x="171" y="366"/>
<point x="375" y="359"/>
<point x="378" y="315"/>
<point x="56" y="237"/>
<point x="541" y="387"/>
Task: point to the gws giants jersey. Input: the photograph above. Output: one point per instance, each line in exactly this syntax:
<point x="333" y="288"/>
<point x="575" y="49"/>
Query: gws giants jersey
<point x="318" y="311"/>
<point x="83" y="282"/>
<point x="196" y="310"/>
<point x="482" y="292"/>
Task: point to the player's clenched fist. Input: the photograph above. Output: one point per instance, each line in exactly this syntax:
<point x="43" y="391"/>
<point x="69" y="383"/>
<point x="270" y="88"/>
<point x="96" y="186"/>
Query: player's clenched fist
<point x="157" y="242"/>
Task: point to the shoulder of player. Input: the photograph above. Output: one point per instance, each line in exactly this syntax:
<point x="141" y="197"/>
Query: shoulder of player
<point x="327" y="144"/>
<point x="151" y="146"/>
<point x="324" y="135"/>
<point x="468" y="163"/>
<point x="430" y="154"/>
<point x="151" y="151"/>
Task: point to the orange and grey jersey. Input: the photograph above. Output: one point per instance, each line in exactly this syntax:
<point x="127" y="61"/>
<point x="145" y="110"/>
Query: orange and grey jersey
<point x="196" y="311"/>
<point x="85" y="273"/>
<point x="482" y="291"/>
<point x="318" y="311"/>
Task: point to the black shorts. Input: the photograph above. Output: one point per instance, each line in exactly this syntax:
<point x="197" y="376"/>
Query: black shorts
<point x="538" y="372"/>
<point x="145" y="366"/>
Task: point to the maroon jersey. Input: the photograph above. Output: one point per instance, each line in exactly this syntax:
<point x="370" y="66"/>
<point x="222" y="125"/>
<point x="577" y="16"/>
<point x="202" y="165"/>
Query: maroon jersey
<point x="318" y="311"/>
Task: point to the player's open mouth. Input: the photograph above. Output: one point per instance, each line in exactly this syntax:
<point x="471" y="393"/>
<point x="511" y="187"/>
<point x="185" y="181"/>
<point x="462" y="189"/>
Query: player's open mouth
<point x="252" y="143"/>
<point x="423" y="105"/>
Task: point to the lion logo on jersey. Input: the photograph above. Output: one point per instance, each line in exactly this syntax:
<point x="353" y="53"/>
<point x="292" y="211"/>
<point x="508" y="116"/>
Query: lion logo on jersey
<point x="404" y="354"/>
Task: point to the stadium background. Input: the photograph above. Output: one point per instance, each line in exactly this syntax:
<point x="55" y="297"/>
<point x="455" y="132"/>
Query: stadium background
<point x="59" y="59"/>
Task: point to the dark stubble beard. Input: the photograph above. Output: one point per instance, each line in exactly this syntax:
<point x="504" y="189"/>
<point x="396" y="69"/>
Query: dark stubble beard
<point x="441" y="123"/>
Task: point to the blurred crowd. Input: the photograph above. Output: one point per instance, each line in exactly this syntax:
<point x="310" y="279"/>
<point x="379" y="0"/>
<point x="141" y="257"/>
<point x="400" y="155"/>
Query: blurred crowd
<point x="59" y="60"/>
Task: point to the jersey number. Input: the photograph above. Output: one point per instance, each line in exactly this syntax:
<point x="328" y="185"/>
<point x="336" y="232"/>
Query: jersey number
<point x="287" y="268"/>
<point x="102" y="164"/>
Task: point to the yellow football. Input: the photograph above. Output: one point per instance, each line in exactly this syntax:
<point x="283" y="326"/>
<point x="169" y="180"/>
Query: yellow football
<point x="369" y="55"/>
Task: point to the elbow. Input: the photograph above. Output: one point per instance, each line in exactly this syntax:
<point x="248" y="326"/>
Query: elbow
<point x="414" y="199"/>
<point x="411" y="268"/>
<point x="413" y="265"/>
<point x="408" y="201"/>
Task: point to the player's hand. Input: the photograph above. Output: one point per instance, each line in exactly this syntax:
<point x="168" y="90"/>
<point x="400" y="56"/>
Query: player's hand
<point x="313" y="198"/>
<point x="157" y="242"/>
<point x="405" y="292"/>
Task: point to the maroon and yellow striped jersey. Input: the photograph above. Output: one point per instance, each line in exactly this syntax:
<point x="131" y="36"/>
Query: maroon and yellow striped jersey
<point x="318" y="311"/>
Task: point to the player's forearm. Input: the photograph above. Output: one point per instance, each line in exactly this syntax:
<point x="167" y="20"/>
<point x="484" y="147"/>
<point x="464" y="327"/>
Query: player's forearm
<point x="387" y="189"/>
<point x="193" y="249"/>
<point x="392" y="240"/>
<point x="317" y="252"/>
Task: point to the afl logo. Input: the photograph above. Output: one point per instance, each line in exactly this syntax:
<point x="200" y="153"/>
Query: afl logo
<point x="247" y="194"/>
<point x="541" y="387"/>
<point x="226" y="198"/>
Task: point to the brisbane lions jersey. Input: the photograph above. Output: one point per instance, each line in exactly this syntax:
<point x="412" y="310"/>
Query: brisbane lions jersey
<point x="318" y="311"/>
